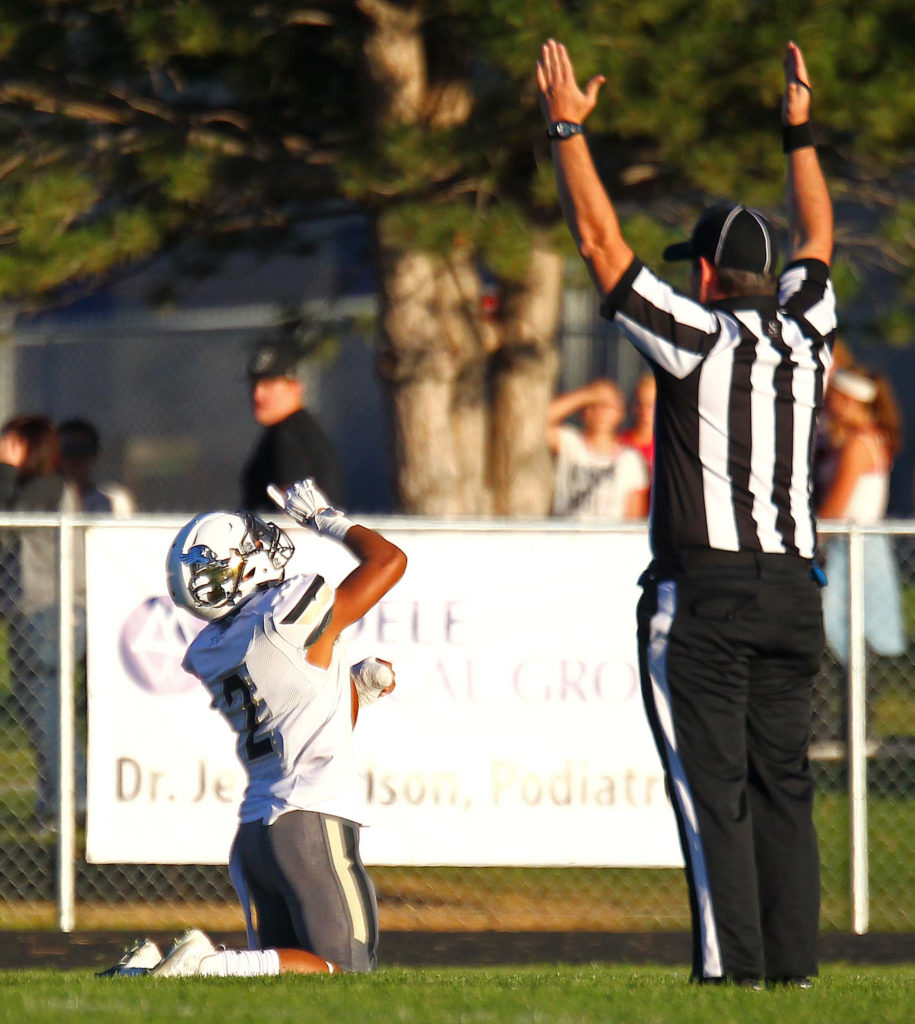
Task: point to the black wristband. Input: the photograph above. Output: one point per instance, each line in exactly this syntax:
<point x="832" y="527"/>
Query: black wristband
<point x="796" y="136"/>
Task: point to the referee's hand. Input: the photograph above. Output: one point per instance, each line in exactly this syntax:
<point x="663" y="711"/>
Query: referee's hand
<point x="796" y="101"/>
<point x="560" y="97"/>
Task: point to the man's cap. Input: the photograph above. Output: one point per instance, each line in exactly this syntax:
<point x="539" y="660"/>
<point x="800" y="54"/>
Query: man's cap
<point x="273" y="358"/>
<point x="732" y="238"/>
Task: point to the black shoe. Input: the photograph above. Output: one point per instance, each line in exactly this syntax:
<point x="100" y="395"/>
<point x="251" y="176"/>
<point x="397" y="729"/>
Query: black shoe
<point x="800" y="982"/>
<point x="751" y="983"/>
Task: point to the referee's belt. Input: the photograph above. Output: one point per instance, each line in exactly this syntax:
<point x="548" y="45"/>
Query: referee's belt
<point x="753" y="563"/>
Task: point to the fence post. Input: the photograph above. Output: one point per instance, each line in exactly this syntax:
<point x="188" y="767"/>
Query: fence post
<point x="857" y="734"/>
<point x="66" y="802"/>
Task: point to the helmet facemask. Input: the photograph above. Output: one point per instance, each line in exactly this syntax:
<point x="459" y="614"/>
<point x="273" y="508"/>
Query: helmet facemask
<point x="265" y="537"/>
<point x="214" y="581"/>
<point x="231" y="554"/>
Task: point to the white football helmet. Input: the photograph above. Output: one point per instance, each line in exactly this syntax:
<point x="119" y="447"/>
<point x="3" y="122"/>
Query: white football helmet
<point x="219" y="558"/>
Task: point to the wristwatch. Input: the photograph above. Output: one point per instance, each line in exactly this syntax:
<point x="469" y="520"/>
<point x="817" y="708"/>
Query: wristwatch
<point x="564" y="130"/>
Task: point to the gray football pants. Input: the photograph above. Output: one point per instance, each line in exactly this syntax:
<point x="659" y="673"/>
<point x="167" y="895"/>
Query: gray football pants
<point x="309" y="888"/>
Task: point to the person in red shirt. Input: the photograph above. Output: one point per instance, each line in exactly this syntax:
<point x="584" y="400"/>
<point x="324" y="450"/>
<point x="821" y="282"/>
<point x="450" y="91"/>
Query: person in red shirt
<point x="641" y="434"/>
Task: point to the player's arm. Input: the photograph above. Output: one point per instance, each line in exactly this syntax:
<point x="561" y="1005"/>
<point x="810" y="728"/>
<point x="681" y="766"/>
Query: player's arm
<point x="381" y="563"/>
<point x="810" y="217"/>
<point x="585" y="203"/>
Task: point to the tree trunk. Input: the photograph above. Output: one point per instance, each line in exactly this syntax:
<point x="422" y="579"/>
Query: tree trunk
<point x="433" y="349"/>
<point x="469" y="340"/>
<point x="524" y="383"/>
<point x="395" y="61"/>
<point x="433" y="356"/>
<point x="457" y="454"/>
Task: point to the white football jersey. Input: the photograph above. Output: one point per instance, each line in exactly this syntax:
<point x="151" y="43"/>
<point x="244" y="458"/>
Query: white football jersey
<point x="292" y="719"/>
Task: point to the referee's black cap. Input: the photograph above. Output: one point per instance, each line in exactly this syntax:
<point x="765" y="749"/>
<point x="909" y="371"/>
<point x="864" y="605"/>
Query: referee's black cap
<point x="732" y="237"/>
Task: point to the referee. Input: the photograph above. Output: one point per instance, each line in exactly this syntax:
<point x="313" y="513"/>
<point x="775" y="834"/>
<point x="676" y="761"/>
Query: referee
<point x="730" y="622"/>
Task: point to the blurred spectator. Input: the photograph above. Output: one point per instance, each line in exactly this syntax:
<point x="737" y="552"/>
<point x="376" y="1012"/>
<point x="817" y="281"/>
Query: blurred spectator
<point x="641" y="434"/>
<point x="826" y="446"/>
<point x="293" y="446"/>
<point x="30" y="481"/>
<point x="865" y="426"/>
<point x="597" y="476"/>
<point x="79" y="451"/>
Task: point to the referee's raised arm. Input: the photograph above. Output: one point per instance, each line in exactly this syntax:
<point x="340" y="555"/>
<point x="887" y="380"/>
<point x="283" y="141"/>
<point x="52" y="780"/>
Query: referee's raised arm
<point x="585" y="204"/>
<point x="809" y="205"/>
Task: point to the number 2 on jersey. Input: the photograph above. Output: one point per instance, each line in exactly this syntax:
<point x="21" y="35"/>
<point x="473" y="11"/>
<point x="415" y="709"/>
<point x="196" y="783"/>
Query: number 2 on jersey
<point x="254" y="748"/>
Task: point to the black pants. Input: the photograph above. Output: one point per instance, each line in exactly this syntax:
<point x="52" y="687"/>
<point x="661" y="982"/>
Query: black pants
<point x="729" y="644"/>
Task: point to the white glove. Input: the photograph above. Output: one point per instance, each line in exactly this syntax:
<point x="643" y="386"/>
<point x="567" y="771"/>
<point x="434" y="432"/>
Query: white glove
<point x="306" y="504"/>
<point x="371" y="677"/>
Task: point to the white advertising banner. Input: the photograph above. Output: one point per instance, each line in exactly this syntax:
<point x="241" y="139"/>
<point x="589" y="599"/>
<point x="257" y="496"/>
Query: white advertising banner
<point x="516" y="733"/>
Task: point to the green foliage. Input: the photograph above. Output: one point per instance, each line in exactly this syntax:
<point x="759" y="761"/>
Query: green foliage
<point x="48" y="204"/>
<point x="403" y="160"/>
<point x="183" y="177"/>
<point x="409" y="226"/>
<point x="505" y="242"/>
<point x="895" y="327"/>
<point x="161" y="32"/>
<point x="845" y="280"/>
<point x="64" y="236"/>
<point x="898" y="228"/>
<point x="224" y="120"/>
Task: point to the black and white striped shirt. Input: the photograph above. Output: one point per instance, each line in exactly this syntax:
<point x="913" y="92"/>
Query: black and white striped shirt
<point x="740" y="383"/>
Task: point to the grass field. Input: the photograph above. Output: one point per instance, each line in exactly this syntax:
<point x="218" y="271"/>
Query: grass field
<point x="528" y="995"/>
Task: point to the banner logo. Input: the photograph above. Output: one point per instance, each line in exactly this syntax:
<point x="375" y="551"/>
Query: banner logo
<point x="153" y="640"/>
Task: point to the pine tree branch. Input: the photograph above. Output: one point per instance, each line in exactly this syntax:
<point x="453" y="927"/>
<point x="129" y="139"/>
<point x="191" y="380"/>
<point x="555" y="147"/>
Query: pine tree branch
<point x="48" y="101"/>
<point x="144" y="105"/>
<point x="13" y="162"/>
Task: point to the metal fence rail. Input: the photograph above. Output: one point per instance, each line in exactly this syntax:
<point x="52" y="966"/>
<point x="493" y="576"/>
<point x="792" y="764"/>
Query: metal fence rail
<point x="863" y="751"/>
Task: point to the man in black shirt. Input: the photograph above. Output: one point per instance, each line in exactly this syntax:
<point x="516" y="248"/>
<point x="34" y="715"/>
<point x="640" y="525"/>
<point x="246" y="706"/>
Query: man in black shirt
<point x="730" y="622"/>
<point x="293" y="446"/>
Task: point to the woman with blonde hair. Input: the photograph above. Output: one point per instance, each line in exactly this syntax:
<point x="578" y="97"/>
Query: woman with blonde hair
<point x="866" y="425"/>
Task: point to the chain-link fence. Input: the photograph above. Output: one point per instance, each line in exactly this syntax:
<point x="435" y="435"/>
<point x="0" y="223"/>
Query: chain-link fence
<point x="170" y="399"/>
<point x="866" y="822"/>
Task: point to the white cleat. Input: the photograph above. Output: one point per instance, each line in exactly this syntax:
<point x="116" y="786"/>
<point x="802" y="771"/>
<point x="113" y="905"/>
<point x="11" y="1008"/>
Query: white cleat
<point x="140" y="958"/>
<point x="184" y="957"/>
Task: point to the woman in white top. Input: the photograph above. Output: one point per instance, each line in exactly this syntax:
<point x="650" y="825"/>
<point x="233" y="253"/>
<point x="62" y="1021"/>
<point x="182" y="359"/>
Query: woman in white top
<point x="865" y="421"/>
<point x="597" y="475"/>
